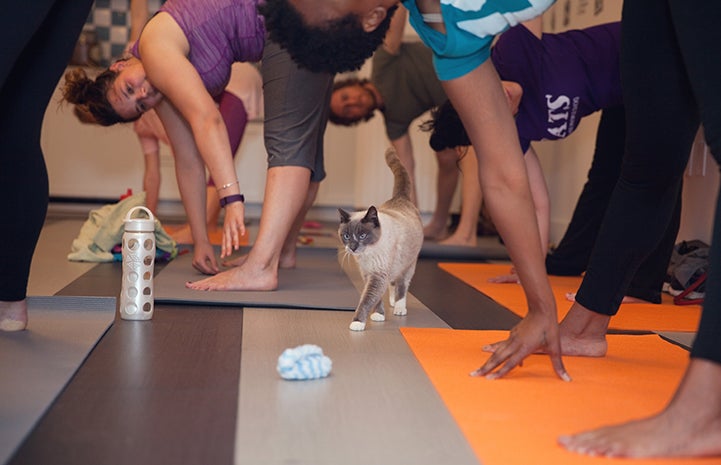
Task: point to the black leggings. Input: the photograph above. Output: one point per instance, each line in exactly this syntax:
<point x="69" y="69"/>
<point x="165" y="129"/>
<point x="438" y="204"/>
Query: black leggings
<point x="571" y="256"/>
<point x="38" y="39"/>
<point x="671" y="74"/>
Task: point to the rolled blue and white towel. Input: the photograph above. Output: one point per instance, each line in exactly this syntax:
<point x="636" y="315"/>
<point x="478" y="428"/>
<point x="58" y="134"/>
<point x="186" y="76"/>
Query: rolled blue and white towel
<point x="303" y="363"/>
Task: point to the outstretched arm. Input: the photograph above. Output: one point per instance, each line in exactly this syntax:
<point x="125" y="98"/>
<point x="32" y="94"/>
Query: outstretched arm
<point x="481" y="104"/>
<point x="539" y="192"/>
<point x="164" y="49"/>
<point x="190" y="173"/>
<point x="541" y="203"/>
<point x="394" y="36"/>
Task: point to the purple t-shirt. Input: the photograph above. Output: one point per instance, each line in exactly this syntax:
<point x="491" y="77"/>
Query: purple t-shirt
<point x="220" y="32"/>
<point x="564" y="77"/>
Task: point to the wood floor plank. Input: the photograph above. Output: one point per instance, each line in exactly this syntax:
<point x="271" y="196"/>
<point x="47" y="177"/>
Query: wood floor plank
<point x="156" y="392"/>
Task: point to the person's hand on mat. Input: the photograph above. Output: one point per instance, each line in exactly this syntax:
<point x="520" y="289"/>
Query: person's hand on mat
<point x="233" y="228"/>
<point x="204" y="258"/>
<point x="536" y="332"/>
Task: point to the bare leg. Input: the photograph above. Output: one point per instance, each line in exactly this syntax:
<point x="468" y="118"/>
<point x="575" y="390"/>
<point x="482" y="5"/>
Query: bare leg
<point x="290" y="246"/>
<point x="467" y="231"/>
<point x="13" y="315"/>
<point x="288" y="252"/>
<point x="445" y="188"/>
<point x="690" y="426"/>
<point x="286" y="192"/>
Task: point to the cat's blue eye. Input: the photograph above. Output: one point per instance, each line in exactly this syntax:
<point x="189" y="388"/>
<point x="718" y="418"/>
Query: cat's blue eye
<point x="363" y="235"/>
<point x="346" y="236"/>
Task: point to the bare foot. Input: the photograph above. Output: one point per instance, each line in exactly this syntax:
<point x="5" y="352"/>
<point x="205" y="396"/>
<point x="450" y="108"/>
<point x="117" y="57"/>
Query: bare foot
<point x="287" y="261"/>
<point x="237" y="261"/>
<point x="240" y="278"/>
<point x="690" y="426"/>
<point x="434" y="232"/>
<point x="457" y="239"/>
<point x="583" y="332"/>
<point x="571" y="297"/>
<point x="13" y="315"/>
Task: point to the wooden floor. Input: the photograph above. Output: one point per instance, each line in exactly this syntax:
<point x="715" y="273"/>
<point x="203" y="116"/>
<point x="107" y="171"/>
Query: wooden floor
<point x="197" y="385"/>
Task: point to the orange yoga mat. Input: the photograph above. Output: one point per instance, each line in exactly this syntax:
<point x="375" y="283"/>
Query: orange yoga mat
<point x="632" y="316"/>
<point x="516" y="420"/>
<point x="215" y="236"/>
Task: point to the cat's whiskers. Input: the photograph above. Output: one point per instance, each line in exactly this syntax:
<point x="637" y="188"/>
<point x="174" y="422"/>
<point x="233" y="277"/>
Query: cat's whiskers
<point x="345" y="258"/>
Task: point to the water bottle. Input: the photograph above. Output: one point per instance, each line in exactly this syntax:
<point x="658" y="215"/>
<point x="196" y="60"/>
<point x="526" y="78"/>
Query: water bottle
<point x="136" y="295"/>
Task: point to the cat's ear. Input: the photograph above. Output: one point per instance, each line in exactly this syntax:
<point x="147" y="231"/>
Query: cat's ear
<point x="344" y="216"/>
<point x="372" y="217"/>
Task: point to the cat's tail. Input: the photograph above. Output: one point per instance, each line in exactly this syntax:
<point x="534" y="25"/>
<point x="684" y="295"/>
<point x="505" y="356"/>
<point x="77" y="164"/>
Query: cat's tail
<point x="401" y="180"/>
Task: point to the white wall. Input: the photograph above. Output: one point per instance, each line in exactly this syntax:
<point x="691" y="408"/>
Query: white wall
<point x="93" y="162"/>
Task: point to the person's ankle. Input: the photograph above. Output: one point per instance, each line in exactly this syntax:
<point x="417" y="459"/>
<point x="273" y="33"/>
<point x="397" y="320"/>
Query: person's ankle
<point x="13" y="315"/>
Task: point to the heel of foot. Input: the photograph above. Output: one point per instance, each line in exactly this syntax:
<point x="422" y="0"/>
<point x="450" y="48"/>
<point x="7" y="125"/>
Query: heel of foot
<point x="12" y="325"/>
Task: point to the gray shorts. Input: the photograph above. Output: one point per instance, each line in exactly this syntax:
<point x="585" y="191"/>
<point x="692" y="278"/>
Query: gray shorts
<point x="296" y="112"/>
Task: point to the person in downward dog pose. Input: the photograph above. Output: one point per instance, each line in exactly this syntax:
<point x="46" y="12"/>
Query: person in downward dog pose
<point x="472" y="84"/>
<point x="385" y="242"/>
<point x="177" y="68"/>
<point x="553" y="81"/>
<point x="403" y="86"/>
<point x="240" y="102"/>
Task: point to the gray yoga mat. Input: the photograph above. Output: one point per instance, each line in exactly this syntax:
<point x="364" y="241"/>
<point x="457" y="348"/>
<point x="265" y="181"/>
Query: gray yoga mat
<point x="376" y="407"/>
<point x="488" y="248"/>
<point x="317" y="282"/>
<point x="51" y="270"/>
<point x="682" y="339"/>
<point x="36" y="364"/>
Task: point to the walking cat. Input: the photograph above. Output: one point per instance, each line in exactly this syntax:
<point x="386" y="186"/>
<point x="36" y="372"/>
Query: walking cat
<point x="385" y="242"/>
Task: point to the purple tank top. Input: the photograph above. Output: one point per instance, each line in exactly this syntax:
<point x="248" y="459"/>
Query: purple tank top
<point x="564" y="77"/>
<point x="220" y="32"/>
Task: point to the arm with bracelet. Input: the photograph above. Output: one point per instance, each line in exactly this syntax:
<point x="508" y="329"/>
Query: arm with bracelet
<point x="206" y="137"/>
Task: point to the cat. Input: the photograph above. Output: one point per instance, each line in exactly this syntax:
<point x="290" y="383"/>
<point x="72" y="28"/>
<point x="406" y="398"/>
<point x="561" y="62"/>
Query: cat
<point x="385" y="242"/>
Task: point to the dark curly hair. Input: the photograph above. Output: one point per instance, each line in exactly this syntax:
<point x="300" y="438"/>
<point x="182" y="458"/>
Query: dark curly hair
<point x="338" y="46"/>
<point x="344" y="120"/>
<point x="90" y="97"/>
<point x="446" y="128"/>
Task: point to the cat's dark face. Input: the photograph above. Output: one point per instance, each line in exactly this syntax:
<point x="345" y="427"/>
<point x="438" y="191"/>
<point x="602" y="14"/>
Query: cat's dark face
<point x="357" y="234"/>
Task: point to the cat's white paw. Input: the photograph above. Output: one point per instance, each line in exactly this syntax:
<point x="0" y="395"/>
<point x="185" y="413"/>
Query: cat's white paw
<point x="375" y="316"/>
<point x="357" y="326"/>
<point x="400" y="307"/>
